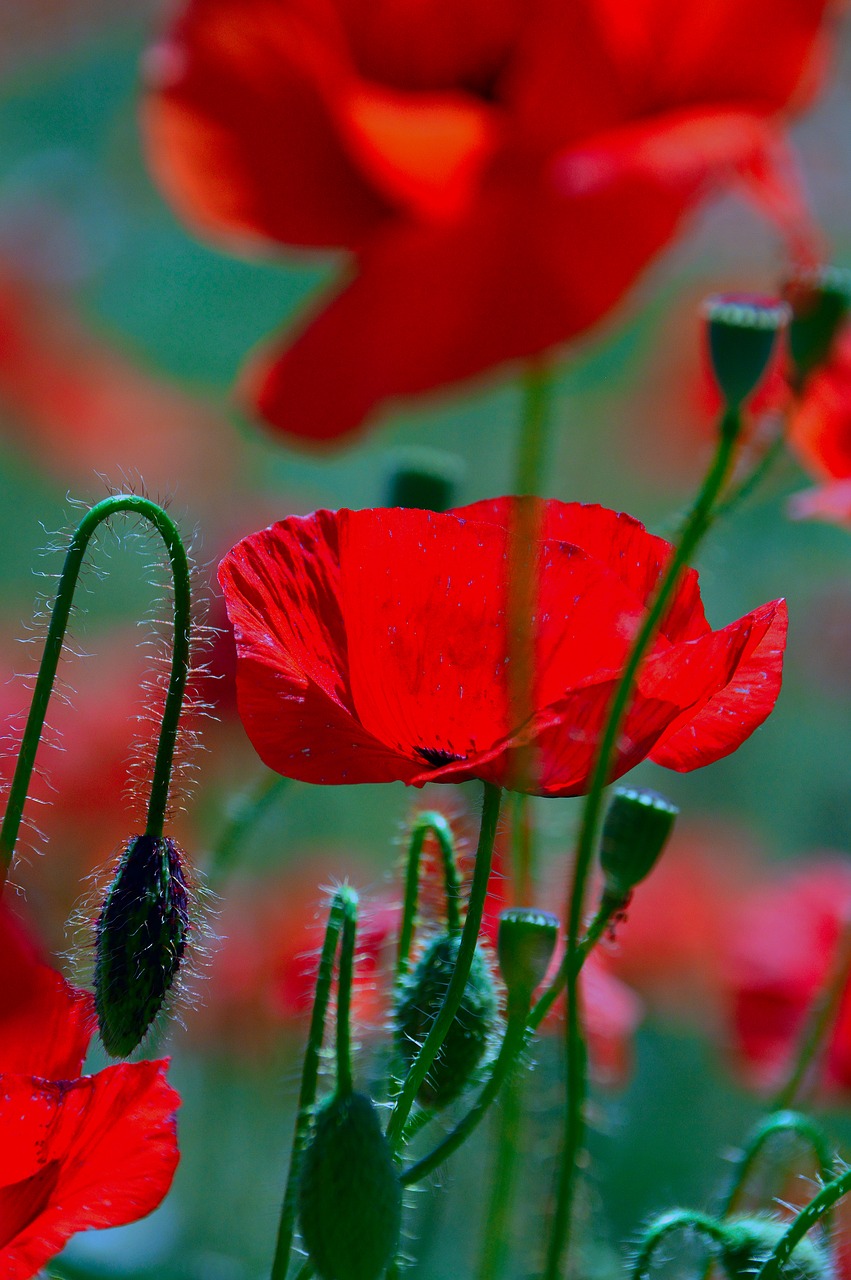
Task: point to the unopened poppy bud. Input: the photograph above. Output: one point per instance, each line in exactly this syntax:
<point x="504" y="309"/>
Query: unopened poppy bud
<point x="525" y="945"/>
<point x="635" y="831"/>
<point x="140" y="939"/>
<point x="418" y="1004"/>
<point x="748" y="1242"/>
<point x="742" y="332"/>
<point x="424" y="479"/>
<point x="350" y="1196"/>
<point x="820" y="302"/>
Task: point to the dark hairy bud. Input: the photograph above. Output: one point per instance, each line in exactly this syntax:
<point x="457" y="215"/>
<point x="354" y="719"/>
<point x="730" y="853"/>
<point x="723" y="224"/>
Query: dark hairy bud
<point x="140" y="940"/>
<point x="749" y="1241"/>
<point x="418" y="1004"/>
<point x="350" y="1196"/>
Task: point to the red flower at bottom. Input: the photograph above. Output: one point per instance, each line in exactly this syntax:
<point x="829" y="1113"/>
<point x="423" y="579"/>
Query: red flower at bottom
<point x="75" y="1151"/>
<point x="373" y="646"/>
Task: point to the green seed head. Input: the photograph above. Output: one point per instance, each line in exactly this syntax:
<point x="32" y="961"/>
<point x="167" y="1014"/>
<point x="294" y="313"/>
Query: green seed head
<point x="820" y="302"/>
<point x="140" y="940"/>
<point x="635" y="831"/>
<point x="350" y="1196"/>
<point x="742" y="333"/>
<point x="749" y="1241"/>
<point x="470" y="1032"/>
<point x="525" y="945"/>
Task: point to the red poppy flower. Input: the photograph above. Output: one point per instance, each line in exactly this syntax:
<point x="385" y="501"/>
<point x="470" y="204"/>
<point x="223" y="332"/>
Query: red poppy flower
<point x="75" y="1151"/>
<point x="820" y="436"/>
<point x="372" y="647"/>
<point x="783" y="947"/>
<point x="503" y="171"/>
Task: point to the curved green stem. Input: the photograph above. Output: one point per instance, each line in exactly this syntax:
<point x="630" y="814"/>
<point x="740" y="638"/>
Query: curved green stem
<point x="696" y="525"/>
<point x="250" y="808"/>
<point x="157" y="804"/>
<point x="466" y="950"/>
<point x="665" y="1225"/>
<point x="804" y="1222"/>
<point x="821" y="1019"/>
<point x="345" y="978"/>
<point x="782" y="1122"/>
<point x="343" y="909"/>
<point x="436" y="824"/>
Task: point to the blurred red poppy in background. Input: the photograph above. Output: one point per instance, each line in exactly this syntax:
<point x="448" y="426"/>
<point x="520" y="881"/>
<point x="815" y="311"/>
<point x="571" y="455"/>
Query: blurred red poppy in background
<point x="820" y="437"/>
<point x="503" y="172"/>
<point x="784" y="942"/>
<point x="408" y="680"/>
<point x="75" y="1151"/>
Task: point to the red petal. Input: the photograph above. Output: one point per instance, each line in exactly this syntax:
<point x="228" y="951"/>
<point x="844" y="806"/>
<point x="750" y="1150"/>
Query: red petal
<point x="240" y="126"/>
<point x="281" y="589"/>
<point x="747" y="697"/>
<point x="111" y="1157"/>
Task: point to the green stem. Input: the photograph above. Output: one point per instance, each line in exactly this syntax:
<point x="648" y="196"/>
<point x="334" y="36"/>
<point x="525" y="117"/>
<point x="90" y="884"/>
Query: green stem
<point x="249" y="809"/>
<point x="497" y="1236"/>
<point x="665" y="1225"/>
<point x="518" y="1034"/>
<point x="534" y="424"/>
<point x="522" y="849"/>
<point x="342" y="908"/>
<point x="782" y="1122"/>
<point x="740" y="492"/>
<point x="696" y="525"/>
<point x="345" y="978"/>
<point x="821" y="1019"/>
<point x="804" y="1222"/>
<point x="457" y="983"/>
<point x="164" y="759"/>
<point x="436" y="824"/>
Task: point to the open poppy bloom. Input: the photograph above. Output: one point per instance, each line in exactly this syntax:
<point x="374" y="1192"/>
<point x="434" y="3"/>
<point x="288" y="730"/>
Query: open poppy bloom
<point x="502" y="171"/>
<point x="373" y="647"/>
<point x="75" y="1151"/>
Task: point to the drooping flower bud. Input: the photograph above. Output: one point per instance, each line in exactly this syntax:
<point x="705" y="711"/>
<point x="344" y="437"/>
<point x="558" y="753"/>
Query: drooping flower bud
<point x="418" y="1004"/>
<point x="635" y="831"/>
<point x="820" y="302"/>
<point x="424" y="479"/>
<point x="526" y="943"/>
<point x="749" y="1240"/>
<point x="350" y="1196"/>
<point x="140" y="939"/>
<point x="742" y="331"/>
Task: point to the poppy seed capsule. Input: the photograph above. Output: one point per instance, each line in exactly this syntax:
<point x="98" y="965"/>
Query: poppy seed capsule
<point x="525" y="945"/>
<point x="820" y="302"/>
<point x="418" y="1004"/>
<point x="742" y="332"/>
<point x="350" y="1196"/>
<point x="140" y="939"/>
<point x="749" y="1241"/>
<point x="635" y="831"/>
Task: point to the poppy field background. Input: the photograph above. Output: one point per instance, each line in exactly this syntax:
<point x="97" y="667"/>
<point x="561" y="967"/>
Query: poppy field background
<point x="121" y="337"/>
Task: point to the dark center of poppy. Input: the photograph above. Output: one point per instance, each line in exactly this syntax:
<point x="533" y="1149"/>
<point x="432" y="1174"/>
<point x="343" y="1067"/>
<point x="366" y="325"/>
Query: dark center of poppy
<point x="437" y="757"/>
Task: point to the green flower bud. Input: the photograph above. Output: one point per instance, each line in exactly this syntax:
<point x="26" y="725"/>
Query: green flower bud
<point x="140" y="939"/>
<point x="749" y="1241"/>
<point x="742" y="333"/>
<point x="417" y="1005"/>
<point x="635" y="831"/>
<point x="350" y="1196"/>
<point x="820" y="302"/>
<point x="424" y="479"/>
<point x="525" y="946"/>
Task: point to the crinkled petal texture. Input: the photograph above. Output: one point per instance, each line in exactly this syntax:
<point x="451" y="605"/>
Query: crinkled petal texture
<point x="375" y="646"/>
<point x="504" y="171"/>
<point x="75" y="1151"/>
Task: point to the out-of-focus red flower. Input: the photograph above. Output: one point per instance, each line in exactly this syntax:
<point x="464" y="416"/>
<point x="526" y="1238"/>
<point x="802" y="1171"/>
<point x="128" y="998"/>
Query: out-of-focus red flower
<point x="372" y="647"/>
<point x="76" y="1152"/>
<point x="820" y="437"/>
<point x="503" y="172"/>
<point x="782" y="947"/>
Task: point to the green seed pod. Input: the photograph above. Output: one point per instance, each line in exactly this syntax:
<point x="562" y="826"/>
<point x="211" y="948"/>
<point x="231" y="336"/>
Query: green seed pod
<point x="525" y="946"/>
<point x="424" y="478"/>
<point x="635" y="831"/>
<point x="140" y="939"/>
<point x="820" y="302"/>
<point x="418" y="1004"/>
<point x="749" y="1241"/>
<point x="350" y="1196"/>
<point x="742" y="332"/>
